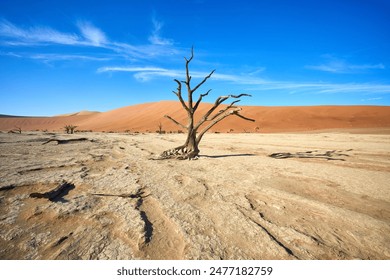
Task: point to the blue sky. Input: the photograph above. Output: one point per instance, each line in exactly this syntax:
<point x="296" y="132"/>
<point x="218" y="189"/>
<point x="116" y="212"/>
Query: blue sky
<point x="65" y="56"/>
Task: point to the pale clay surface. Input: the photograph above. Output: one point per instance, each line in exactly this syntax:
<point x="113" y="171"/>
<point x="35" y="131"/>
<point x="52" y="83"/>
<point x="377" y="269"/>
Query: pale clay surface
<point x="235" y="202"/>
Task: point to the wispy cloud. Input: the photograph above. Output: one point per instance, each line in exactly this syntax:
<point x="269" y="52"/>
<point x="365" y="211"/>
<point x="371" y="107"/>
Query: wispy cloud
<point x="88" y="36"/>
<point x="35" y="35"/>
<point x="38" y="35"/>
<point x="257" y="71"/>
<point x="370" y="88"/>
<point x="372" y="99"/>
<point x="144" y="73"/>
<point x="48" y="57"/>
<point x="335" y="65"/>
<point x="92" y="34"/>
<point x="155" y="38"/>
<point x="149" y="73"/>
<point x="255" y="83"/>
<point x="12" y="54"/>
<point x="324" y="88"/>
<point x="342" y="67"/>
<point x="130" y="69"/>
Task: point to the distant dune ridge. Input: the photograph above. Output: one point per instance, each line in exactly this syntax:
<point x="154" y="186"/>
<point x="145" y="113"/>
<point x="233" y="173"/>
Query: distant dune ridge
<point x="146" y="117"/>
<point x="81" y="113"/>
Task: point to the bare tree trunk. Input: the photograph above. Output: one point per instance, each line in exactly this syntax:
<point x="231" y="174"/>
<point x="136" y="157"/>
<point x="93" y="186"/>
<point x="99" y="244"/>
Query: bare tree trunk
<point x="190" y="149"/>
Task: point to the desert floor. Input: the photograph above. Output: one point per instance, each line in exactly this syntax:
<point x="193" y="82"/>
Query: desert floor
<point x="321" y="196"/>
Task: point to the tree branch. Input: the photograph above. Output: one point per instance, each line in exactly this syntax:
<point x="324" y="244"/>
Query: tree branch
<point x="215" y="106"/>
<point x="188" y="81"/>
<point x="225" y="113"/>
<point x="192" y="55"/>
<point x="178" y="93"/>
<point x="217" y="103"/>
<point x="175" y="121"/>
<point x="202" y="82"/>
<point x="243" y="117"/>
<point x="224" y="110"/>
<point x="242" y="94"/>
<point x="200" y="99"/>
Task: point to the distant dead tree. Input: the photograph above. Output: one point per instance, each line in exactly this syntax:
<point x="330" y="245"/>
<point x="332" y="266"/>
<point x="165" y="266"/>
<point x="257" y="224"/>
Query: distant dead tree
<point x="160" y="129"/>
<point x="70" y="128"/>
<point x="190" y="149"/>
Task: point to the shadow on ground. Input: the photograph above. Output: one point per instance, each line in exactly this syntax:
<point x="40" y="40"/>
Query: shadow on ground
<point x="224" y="156"/>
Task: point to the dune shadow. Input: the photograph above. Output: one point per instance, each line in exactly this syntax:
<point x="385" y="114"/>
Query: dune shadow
<point x="231" y="155"/>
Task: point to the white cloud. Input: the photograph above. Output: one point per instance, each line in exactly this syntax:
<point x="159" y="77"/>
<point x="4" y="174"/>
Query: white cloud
<point x="254" y="83"/>
<point x="130" y="69"/>
<point x="257" y="71"/>
<point x="367" y="66"/>
<point x="335" y="65"/>
<point x="259" y="84"/>
<point x="372" y="99"/>
<point x="11" y="54"/>
<point x="148" y="73"/>
<point x="55" y="57"/>
<point x="153" y="72"/>
<point x="355" y="88"/>
<point x="156" y="38"/>
<point x="51" y="57"/>
<point x="144" y="73"/>
<point x="324" y="88"/>
<point x="92" y="34"/>
<point x="36" y="35"/>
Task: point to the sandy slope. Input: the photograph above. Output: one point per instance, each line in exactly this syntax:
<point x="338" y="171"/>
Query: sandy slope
<point x="146" y="117"/>
<point x="235" y="202"/>
<point x="81" y="113"/>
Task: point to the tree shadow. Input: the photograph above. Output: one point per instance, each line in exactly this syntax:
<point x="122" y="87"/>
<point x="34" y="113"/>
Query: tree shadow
<point x="57" y="194"/>
<point x="6" y="188"/>
<point x="232" y="155"/>
<point x="328" y="155"/>
<point x="59" y="197"/>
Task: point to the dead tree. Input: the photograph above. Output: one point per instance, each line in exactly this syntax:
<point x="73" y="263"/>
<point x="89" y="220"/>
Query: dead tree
<point x="190" y="149"/>
<point x="69" y="129"/>
<point x="160" y="130"/>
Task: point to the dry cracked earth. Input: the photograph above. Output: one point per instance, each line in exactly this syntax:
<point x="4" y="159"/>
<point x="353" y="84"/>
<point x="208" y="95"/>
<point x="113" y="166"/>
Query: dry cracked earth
<point x="249" y="196"/>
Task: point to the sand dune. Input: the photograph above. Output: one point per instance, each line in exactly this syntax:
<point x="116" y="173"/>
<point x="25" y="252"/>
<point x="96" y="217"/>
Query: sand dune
<point x="146" y="117"/>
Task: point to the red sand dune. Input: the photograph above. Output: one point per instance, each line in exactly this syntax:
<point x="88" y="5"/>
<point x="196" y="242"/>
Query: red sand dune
<point x="146" y="117"/>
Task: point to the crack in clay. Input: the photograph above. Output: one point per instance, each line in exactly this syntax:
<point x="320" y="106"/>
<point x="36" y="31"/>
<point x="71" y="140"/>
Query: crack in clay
<point x="148" y="226"/>
<point x="288" y="250"/>
<point x="62" y="239"/>
<point x="139" y="195"/>
<point x="273" y="238"/>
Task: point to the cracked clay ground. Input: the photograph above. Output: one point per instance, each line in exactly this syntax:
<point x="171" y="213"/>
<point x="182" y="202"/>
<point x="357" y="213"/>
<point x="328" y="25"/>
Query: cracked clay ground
<point x="322" y="196"/>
